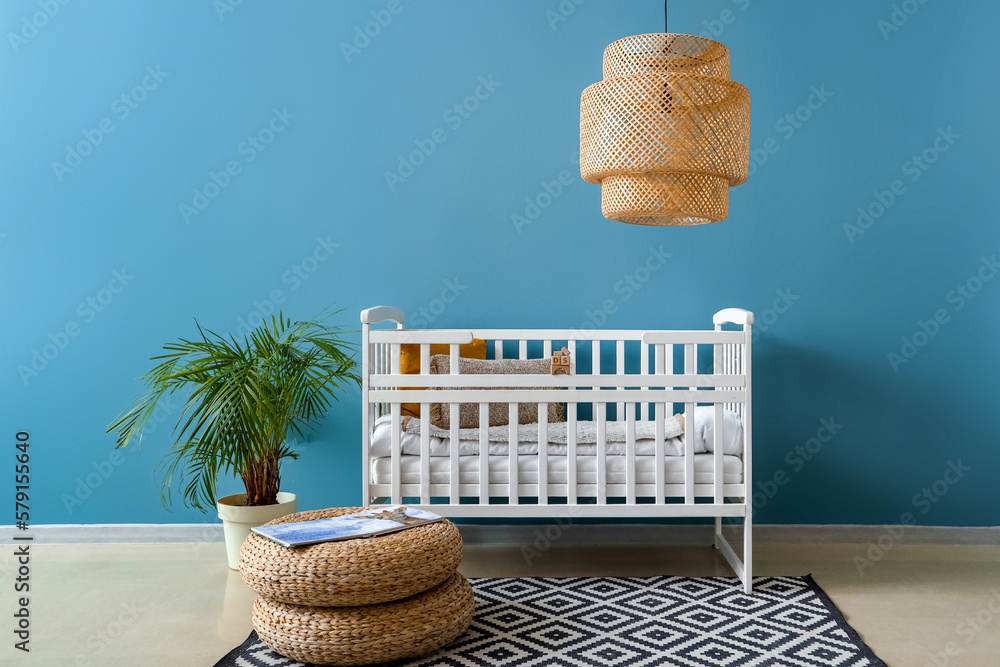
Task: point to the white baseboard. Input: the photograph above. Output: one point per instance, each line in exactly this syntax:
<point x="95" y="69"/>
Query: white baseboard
<point x="117" y="533"/>
<point x="569" y="534"/>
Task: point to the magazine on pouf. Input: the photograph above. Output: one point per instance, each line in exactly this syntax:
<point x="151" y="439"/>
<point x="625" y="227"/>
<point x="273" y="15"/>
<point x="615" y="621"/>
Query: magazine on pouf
<point x="369" y="523"/>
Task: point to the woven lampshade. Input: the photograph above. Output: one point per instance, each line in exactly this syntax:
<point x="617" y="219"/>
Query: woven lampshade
<point x="666" y="133"/>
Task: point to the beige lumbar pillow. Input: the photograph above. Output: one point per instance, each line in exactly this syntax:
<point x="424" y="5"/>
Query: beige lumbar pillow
<point x="468" y="413"/>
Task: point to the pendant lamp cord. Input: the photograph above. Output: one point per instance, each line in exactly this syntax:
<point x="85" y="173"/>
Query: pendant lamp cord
<point x="665" y="17"/>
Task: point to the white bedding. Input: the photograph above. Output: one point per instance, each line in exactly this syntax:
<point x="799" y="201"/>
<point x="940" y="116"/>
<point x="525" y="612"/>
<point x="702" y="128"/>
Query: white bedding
<point x="704" y="437"/>
<point x="527" y="466"/>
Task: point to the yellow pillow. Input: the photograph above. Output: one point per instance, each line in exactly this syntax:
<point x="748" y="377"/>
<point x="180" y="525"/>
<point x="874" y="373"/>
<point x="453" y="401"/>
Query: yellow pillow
<point x="409" y="364"/>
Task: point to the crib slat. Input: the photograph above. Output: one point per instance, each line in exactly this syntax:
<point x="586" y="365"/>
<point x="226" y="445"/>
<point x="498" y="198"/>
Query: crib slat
<point x="630" y="457"/>
<point x="717" y="455"/>
<point x="547" y="348"/>
<point x="453" y="444"/>
<point x="644" y="370"/>
<point x="425" y="360"/>
<point x="425" y="454"/>
<point x="659" y="416"/>
<point x="484" y="454"/>
<point x="730" y="354"/>
<point x="620" y="369"/>
<point x="595" y="369"/>
<point x="379" y="354"/>
<point x="543" y="453"/>
<point x="689" y="426"/>
<point x="395" y="359"/>
<point x="743" y="366"/>
<point x="453" y="440"/>
<point x="522" y="349"/>
<point x="602" y="452"/>
<point x="668" y="369"/>
<point x="512" y="477"/>
<point x="727" y="361"/>
<point x="395" y="453"/>
<point x="571" y="452"/>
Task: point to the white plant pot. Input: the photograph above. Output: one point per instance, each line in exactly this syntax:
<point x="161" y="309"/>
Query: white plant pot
<point x="237" y="520"/>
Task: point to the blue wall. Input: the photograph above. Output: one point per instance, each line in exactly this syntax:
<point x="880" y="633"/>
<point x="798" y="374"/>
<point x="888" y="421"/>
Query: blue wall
<point x="115" y="244"/>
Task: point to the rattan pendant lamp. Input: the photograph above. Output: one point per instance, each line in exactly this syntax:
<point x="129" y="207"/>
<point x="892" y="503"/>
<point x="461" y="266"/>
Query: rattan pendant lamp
<point x="666" y="133"/>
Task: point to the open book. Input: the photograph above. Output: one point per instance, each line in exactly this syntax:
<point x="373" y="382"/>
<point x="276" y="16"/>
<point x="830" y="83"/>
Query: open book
<point x="369" y="523"/>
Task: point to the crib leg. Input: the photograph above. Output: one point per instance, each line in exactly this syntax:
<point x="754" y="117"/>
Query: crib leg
<point x="742" y="569"/>
<point x="718" y="531"/>
<point x="747" y="551"/>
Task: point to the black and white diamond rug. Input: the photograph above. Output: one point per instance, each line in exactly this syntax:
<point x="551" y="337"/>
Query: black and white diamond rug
<point x="619" y="622"/>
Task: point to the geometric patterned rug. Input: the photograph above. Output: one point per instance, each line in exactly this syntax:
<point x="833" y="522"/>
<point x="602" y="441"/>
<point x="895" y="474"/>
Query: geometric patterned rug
<point x="636" y="622"/>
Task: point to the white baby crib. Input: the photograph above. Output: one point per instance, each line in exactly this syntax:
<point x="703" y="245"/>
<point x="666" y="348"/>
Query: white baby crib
<point x="614" y="457"/>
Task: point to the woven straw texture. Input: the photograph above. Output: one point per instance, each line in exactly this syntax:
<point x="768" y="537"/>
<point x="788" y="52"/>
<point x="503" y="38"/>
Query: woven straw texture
<point x="468" y="413"/>
<point x="351" y="572"/>
<point x="363" y="635"/>
<point x="666" y="133"/>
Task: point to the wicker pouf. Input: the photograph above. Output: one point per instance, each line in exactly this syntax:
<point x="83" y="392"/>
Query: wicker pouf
<point x="363" y="635"/>
<point x="351" y="572"/>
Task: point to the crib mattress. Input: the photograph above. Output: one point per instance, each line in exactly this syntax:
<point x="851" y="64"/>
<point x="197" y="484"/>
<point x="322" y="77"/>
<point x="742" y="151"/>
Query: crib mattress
<point x="586" y="469"/>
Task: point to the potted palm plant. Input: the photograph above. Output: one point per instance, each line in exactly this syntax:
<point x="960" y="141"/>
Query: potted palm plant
<point x="245" y="399"/>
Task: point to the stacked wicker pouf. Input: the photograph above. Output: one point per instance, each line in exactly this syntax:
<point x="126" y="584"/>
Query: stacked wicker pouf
<point x="358" y="601"/>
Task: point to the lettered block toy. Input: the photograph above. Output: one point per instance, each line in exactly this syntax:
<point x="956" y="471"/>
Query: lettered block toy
<point x="561" y="363"/>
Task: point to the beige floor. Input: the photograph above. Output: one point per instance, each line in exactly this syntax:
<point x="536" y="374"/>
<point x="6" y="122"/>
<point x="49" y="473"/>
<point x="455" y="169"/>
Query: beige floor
<point x="180" y="605"/>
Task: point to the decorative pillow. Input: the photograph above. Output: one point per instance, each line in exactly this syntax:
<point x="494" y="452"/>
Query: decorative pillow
<point x="468" y="413"/>
<point x="409" y="363"/>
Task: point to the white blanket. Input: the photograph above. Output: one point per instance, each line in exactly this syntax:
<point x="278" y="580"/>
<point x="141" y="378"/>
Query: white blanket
<point x="558" y="432"/>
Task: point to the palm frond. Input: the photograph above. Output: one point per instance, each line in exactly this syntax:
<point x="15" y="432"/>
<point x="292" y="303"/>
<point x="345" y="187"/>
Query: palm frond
<point x="244" y="399"/>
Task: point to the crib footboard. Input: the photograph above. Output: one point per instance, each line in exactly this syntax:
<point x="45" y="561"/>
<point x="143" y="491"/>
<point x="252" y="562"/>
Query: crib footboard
<point x="646" y="424"/>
